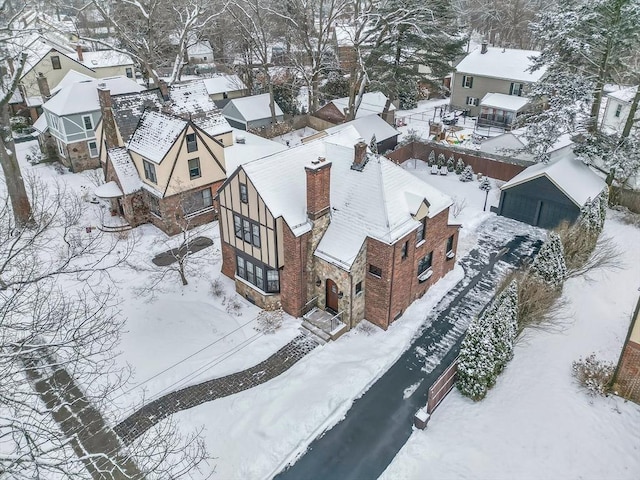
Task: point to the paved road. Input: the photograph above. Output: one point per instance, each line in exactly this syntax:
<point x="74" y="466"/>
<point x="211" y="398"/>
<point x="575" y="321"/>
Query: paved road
<point x="380" y="422"/>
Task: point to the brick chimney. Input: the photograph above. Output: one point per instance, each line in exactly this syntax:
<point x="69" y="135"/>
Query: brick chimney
<point x="318" y="188"/>
<point x="485" y="47"/>
<point x="110" y="134"/>
<point x="164" y="90"/>
<point x="359" y="155"/>
<point x="79" y="52"/>
<point x="43" y="86"/>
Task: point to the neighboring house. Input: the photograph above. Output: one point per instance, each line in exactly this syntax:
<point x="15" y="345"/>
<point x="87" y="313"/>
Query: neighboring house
<point x="512" y="144"/>
<point x="251" y="113"/>
<point x="617" y="110"/>
<point x="546" y="194"/>
<point x="51" y="62"/>
<point x="373" y="103"/>
<point x="223" y="86"/>
<point x="200" y="52"/>
<point x="163" y="155"/>
<point x="370" y="126"/>
<point x="626" y="380"/>
<point x="503" y="72"/>
<point x="331" y="225"/>
<point x="343" y="36"/>
<point x="71" y="115"/>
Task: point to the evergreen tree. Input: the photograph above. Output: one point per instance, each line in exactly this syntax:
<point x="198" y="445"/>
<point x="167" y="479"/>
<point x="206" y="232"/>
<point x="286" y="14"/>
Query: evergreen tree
<point x="467" y="174"/>
<point x="432" y="158"/>
<point x="549" y="265"/>
<point x="459" y="166"/>
<point x="441" y="160"/>
<point x="485" y="184"/>
<point x="450" y="163"/>
<point x="505" y="325"/>
<point x="476" y="362"/>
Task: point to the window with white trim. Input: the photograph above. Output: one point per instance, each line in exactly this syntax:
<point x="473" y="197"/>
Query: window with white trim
<point x="247" y="230"/>
<point x="516" y="89"/>
<point x="467" y="81"/>
<point x="194" y="168"/>
<point x="244" y="194"/>
<point x="256" y="273"/>
<point x="93" y="148"/>
<point x="129" y="72"/>
<point x="192" y="142"/>
<point x="87" y="122"/>
<point x="618" y="111"/>
<point x="473" y="101"/>
<point x="425" y="263"/>
<point x="422" y="228"/>
<point x="196" y="201"/>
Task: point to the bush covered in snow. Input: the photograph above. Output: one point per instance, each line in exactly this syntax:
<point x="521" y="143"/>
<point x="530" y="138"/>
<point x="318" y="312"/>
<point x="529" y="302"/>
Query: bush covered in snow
<point x="450" y="164"/>
<point x="269" y="321"/>
<point x="593" y="374"/>
<point x="432" y="158"/>
<point x="441" y="160"/>
<point x="488" y="345"/>
<point x="593" y="214"/>
<point x="549" y="264"/>
<point x="459" y="166"/>
<point x="467" y="174"/>
<point x="485" y="184"/>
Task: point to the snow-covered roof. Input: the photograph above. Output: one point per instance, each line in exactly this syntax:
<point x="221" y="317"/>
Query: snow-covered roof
<point x="571" y="176"/>
<point x="502" y="63"/>
<point x="82" y="96"/>
<point x="255" y="107"/>
<point x="103" y="58"/>
<point x="155" y="135"/>
<point x="367" y="126"/>
<point x="372" y="103"/>
<point x="345" y="35"/>
<point x="624" y="94"/>
<point x="372" y="202"/>
<point x="223" y="83"/>
<point x="202" y="47"/>
<point x="41" y="124"/>
<point x="253" y="148"/>
<point x="108" y="190"/>
<point x="70" y="78"/>
<point x="125" y="170"/>
<point x="501" y="101"/>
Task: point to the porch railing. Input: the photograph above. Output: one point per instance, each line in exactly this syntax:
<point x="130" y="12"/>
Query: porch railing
<point x="310" y="305"/>
<point x="336" y="321"/>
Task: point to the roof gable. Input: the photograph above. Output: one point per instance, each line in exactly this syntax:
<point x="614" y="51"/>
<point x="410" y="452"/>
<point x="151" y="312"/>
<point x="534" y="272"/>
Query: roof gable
<point x="254" y="107"/>
<point x="372" y="103"/>
<point x="155" y="135"/>
<point x="501" y="63"/>
<point x="368" y="126"/>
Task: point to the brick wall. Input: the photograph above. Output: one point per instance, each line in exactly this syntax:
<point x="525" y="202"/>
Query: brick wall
<point x="378" y="290"/>
<point x="293" y="276"/>
<point x="627" y="382"/>
<point x="318" y="194"/>
<point x="498" y="167"/>
<point x="228" y="259"/>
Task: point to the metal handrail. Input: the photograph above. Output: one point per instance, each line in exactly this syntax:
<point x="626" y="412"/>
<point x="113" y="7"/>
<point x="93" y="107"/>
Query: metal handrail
<point x="336" y="320"/>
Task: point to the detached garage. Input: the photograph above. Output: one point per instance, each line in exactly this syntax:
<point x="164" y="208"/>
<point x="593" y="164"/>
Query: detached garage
<point x="544" y="195"/>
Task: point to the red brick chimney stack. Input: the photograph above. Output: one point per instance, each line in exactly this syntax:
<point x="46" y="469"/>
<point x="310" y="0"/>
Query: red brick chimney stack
<point x="110" y="134"/>
<point x="318" y="188"/>
<point x="359" y="155"/>
<point x="79" y="52"/>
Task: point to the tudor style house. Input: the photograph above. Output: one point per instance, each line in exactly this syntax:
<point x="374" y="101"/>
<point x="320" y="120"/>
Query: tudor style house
<point x="330" y="225"/>
<point x="491" y="83"/>
<point x="162" y="152"/>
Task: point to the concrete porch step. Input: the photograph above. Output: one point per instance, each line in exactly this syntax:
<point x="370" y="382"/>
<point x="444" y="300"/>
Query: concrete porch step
<point x="322" y="336"/>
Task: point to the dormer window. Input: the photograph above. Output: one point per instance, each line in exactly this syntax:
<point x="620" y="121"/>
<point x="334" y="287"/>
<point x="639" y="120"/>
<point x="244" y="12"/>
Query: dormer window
<point x="192" y="143"/>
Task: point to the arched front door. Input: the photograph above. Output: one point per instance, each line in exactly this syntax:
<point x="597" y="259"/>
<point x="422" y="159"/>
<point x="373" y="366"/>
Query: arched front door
<point x="332" y="295"/>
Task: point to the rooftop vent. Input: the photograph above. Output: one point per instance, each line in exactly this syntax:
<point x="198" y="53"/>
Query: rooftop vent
<point x="241" y="139"/>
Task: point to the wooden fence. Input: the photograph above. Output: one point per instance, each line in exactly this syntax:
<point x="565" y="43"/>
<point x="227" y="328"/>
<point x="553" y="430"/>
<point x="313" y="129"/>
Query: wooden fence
<point x="442" y="386"/>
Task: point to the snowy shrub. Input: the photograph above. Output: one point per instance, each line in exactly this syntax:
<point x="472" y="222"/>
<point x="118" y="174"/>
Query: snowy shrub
<point x="34" y="156"/>
<point x="485" y="184"/>
<point x="217" y="288"/>
<point x="467" y="174"/>
<point x="441" y="160"/>
<point x="459" y="166"/>
<point x="593" y="214"/>
<point x="269" y="321"/>
<point x="450" y="164"/>
<point x="408" y="96"/>
<point x="549" y="265"/>
<point x="432" y="158"/>
<point x="59" y="168"/>
<point x="411" y="136"/>
<point x="488" y="345"/>
<point x="593" y="374"/>
<point x="233" y="307"/>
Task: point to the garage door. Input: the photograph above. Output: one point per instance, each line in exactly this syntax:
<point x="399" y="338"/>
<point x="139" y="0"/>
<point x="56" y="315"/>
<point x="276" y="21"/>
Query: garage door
<point x="552" y="214"/>
<point x="519" y="207"/>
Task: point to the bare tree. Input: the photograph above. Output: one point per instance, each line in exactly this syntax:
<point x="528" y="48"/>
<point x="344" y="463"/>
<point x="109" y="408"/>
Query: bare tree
<point x="59" y="331"/>
<point x="12" y="61"/>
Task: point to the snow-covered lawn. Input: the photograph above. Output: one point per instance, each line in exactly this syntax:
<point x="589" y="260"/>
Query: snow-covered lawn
<point x="536" y="422"/>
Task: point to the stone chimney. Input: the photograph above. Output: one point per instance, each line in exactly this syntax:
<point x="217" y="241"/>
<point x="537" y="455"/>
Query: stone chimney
<point x="318" y="188"/>
<point x="485" y="47"/>
<point x="43" y="86"/>
<point x="109" y="132"/>
<point x="359" y="155"/>
<point x="79" y="52"/>
<point x="164" y="90"/>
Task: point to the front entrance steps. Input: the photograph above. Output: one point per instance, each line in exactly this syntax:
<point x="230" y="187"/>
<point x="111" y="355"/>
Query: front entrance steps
<point x="323" y="324"/>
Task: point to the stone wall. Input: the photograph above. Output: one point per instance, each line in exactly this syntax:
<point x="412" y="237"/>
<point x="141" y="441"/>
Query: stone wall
<point x="80" y="158"/>
<point x="266" y="301"/>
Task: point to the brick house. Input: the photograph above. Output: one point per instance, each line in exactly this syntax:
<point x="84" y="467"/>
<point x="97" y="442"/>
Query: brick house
<point x="332" y="226"/>
<point x="162" y="152"/>
<point x="372" y="103"/>
<point x="626" y="381"/>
